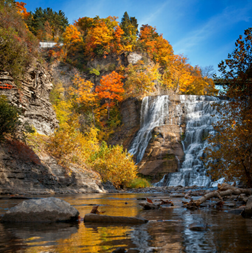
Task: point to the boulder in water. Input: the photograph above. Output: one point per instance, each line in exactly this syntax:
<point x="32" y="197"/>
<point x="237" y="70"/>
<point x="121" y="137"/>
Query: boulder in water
<point x="247" y="212"/>
<point x="42" y="210"/>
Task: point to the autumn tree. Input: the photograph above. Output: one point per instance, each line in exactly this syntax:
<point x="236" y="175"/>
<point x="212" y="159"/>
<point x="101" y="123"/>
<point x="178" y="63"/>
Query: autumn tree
<point x="141" y="79"/>
<point x="230" y="148"/>
<point x="111" y="89"/>
<point x="18" y="45"/>
<point x="22" y="10"/>
<point x="71" y="35"/>
<point x="114" y="164"/>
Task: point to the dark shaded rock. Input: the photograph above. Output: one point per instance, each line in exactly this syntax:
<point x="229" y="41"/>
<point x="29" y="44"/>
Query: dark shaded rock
<point x="149" y="206"/>
<point x="96" y="218"/>
<point x="197" y="227"/>
<point x="247" y="212"/>
<point x="229" y="204"/>
<point x="119" y="250"/>
<point x="236" y="211"/>
<point x="130" y="111"/>
<point x="20" y="175"/>
<point x="109" y="187"/>
<point x="41" y="210"/>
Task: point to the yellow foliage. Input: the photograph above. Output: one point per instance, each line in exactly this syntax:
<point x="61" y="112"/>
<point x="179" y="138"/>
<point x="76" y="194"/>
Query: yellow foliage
<point x="141" y="79"/>
<point x="71" y="35"/>
<point x="83" y="90"/>
<point x="114" y="164"/>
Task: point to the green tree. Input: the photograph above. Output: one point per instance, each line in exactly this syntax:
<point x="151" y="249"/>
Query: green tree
<point x="8" y="117"/>
<point x="130" y="27"/>
<point x="57" y="21"/>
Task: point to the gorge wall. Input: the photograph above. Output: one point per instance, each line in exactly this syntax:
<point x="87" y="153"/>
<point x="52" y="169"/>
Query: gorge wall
<point x="21" y="170"/>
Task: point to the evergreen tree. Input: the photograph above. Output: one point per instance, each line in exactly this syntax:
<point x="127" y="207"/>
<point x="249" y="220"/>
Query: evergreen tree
<point x="129" y="25"/>
<point x="57" y="20"/>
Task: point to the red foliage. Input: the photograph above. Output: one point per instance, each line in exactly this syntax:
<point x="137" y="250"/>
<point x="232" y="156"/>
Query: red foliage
<point x="22" y="152"/>
<point x="6" y="86"/>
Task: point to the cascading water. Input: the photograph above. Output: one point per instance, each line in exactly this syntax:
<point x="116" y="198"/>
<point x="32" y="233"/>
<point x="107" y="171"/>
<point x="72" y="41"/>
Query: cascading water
<point x="154" y="112"/>
<point x="198" y="125"/>
<point x="197" y="112"/>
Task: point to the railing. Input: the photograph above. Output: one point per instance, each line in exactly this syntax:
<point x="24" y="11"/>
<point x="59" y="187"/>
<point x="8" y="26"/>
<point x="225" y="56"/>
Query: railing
<point x="49" y="44"/>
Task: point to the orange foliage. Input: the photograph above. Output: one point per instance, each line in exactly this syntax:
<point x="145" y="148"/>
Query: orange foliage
<point x="22" y="10"/>
<point x="111" y="89"/>
<point x="118" y="47"/>
<point x="156" y="46"/>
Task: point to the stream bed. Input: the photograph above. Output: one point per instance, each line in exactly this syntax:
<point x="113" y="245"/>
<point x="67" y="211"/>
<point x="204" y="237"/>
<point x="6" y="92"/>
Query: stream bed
<point x="167" y="231"/>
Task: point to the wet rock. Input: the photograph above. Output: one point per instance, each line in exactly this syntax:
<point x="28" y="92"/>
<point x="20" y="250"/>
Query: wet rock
<point x="247" y="212"/>
<point x="41" y="210"/>
<point x="229" y="204"/>
<point x="96" y="218"/>
<point x="237" y="211"/>
<point x="243" y="198"/>
<point x="198" y="227"/>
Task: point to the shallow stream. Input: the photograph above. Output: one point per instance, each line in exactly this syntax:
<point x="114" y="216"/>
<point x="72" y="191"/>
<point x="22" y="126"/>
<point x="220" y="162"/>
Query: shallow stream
<point x="167" y="231"/>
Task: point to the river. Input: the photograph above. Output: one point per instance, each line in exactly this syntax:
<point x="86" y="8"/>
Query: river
<point x="167" y="231"/>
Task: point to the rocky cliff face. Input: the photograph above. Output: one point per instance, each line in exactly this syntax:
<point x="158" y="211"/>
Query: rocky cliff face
<point x="23" y="172"/>
<point x="32" y="97"/>
<point x="130" y="111"/>
<point x="163" y="154"/>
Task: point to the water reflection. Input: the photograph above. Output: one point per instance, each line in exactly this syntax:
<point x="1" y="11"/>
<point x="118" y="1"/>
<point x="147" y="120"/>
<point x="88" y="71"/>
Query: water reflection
<point x="167" y="231"/>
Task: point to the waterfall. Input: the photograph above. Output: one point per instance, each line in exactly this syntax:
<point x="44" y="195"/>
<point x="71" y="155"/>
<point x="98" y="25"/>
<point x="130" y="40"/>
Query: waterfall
<point x="197" y="111"/>
<point x="154" y="112"/>
<point x="198" y="125"/>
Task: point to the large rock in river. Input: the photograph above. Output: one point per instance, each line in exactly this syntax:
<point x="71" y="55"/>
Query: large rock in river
<point x="247" y="212"/>
<point x="41" y="210"/>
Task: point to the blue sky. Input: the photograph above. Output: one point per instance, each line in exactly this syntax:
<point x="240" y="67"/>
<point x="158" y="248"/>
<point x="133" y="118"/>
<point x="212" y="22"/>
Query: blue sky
<point x="205" y="31"/>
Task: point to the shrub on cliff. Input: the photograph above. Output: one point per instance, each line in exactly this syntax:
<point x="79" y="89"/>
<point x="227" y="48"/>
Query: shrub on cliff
<point x="8" y="117"/>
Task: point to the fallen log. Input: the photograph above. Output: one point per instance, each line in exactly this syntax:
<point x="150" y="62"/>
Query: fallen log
<point x="96" y="218"/>
<point x="223" y="190"/>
